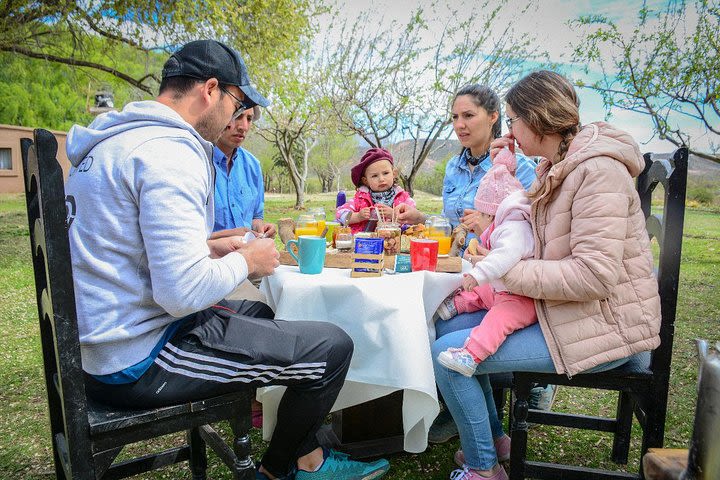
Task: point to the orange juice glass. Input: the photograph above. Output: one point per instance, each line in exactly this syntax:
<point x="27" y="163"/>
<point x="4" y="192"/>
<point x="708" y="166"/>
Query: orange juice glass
<point x="310" y="230"/>
<point x="443" y="244"/>
<point x="306" y="225"/>
<point x="318" y="214"/>
<point x="438" y="228"/>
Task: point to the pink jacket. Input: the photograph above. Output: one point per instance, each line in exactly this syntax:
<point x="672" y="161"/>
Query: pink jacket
<point x="592" y="276"/>
<point x="363" y="199"/>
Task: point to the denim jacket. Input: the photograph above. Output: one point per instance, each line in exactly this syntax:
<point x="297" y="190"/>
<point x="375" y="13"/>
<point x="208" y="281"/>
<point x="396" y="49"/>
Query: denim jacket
<point x="460" y="184"/>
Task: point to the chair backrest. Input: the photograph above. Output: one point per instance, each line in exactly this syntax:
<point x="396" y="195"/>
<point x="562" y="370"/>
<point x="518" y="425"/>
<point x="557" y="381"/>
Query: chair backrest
<point x="667" y="229"/>
<point x="47" y="217"/>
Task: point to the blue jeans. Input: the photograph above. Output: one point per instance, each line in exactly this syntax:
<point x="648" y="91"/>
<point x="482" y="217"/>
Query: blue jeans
<point x="470" y="399"/>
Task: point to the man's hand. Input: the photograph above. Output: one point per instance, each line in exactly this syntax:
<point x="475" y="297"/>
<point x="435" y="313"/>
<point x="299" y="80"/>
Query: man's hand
<point x="219" y="247"/>
<point x="263" y="229"/>
<point x="261" y="256"/>
<point x="409" y="215"/>
<point x="469" y="282"/>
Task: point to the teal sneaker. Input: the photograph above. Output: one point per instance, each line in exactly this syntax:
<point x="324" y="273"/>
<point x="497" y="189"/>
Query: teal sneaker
<point x="542" y="398"/>
<point x="338" y="466"/>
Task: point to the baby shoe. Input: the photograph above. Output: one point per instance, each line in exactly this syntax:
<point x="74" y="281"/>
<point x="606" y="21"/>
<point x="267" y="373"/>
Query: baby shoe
<point x="459" y="360"/>
<point x="447" y="309"/>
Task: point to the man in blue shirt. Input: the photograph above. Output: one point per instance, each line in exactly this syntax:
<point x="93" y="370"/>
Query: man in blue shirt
<point x="239" y="187"/>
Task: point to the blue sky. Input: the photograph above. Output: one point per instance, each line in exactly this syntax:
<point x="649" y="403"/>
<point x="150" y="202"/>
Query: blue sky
<point x="549" y="23"/>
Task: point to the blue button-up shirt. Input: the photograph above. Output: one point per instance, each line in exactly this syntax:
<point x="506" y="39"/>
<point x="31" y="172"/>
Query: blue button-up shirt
<point x="460" y="184"/>
<point x="240" y="195"/>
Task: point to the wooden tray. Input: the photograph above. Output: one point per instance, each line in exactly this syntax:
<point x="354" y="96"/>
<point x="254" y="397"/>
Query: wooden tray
<point x="344" y="260"/>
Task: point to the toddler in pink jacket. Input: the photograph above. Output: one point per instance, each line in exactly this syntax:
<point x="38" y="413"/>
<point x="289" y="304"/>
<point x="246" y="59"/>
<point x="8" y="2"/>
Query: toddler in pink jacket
<point x="506" y="239"/>
<point x="376" y="180"/>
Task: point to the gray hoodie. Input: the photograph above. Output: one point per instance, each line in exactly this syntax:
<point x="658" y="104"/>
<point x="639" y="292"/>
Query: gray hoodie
<point x="140" y="195"/>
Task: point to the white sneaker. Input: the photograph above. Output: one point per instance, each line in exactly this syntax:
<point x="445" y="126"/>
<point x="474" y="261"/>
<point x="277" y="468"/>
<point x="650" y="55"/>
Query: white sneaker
<point x="459" y="360"/>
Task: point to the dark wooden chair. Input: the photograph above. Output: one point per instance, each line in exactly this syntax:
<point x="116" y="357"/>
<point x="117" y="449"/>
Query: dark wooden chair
<point x="642" y="383"/>
<point x="87" y="436"/>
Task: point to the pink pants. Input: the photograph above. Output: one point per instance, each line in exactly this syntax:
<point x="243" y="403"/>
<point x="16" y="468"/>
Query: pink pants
<point x="507" y="312"/>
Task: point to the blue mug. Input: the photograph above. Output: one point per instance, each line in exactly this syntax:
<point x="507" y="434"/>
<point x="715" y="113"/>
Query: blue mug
<point x="311" y="253"/>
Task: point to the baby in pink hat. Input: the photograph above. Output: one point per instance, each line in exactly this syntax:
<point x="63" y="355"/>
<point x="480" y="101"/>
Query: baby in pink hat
<point x="505" y="238"/>
<point x="376" y="180"/>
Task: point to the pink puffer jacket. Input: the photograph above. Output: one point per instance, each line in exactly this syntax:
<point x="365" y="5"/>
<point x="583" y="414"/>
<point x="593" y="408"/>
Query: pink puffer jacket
<point x="597" y="296"/>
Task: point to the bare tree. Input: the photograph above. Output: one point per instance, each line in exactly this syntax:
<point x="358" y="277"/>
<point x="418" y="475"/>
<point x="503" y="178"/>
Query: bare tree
<point x="371" y="75"/>
<point x="475" y="47"/>
<point x="386" y="86"/>
<point x="292" y="121"/>
<point x="666" y="68"/>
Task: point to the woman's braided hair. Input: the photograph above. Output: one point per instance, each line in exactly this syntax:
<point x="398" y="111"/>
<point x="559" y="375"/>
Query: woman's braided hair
<point x="548" y="104"/>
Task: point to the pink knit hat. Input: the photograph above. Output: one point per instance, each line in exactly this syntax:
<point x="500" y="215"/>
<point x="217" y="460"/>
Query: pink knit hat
<point x="498" y="183"/>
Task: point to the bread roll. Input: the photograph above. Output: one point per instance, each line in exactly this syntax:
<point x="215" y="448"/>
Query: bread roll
<point x="473" y="246"/>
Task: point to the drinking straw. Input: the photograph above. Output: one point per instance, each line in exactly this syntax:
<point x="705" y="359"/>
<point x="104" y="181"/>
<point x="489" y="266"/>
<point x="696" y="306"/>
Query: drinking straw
<point x="379" y="214"/>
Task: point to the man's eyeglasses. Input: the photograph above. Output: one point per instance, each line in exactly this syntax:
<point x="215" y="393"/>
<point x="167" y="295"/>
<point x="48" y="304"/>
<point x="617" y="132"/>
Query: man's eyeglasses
<point x="509" y="121"/>
<point x="239" y="105"/>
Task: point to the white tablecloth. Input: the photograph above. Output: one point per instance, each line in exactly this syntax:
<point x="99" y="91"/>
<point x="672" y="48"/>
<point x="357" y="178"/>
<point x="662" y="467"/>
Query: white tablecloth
<point x="390" y="321"/>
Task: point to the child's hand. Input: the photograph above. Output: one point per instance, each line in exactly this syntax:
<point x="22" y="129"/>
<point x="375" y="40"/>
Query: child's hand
<point x="365" y="213"/>
<point x="473" y="259"/>
<point x="469" y="282"/>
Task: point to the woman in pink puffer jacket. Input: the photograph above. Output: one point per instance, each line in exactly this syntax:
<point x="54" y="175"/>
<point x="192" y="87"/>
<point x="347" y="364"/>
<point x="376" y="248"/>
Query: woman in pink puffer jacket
<point x="591" y="276"/>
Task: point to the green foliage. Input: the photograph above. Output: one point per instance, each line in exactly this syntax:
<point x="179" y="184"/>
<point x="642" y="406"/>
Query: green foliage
<point x="703" y="194"/>
<point x="265" y="31"/>
<point x="38" y="93"/>
<point x="330" y="157"/>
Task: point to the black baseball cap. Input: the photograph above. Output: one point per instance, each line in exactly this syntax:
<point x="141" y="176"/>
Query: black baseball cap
<point x="205" y="59"/>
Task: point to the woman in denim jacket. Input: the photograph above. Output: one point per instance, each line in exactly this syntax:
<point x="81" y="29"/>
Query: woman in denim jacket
<point x="476" y="121"/>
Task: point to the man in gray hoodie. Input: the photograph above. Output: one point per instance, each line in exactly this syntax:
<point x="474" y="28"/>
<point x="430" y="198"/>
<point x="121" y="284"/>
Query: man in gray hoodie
<point x="149" y="283"/>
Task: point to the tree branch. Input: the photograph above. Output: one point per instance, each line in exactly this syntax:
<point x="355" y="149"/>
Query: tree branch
<point x="119" y="38"/>
<point x="78" y="63"/>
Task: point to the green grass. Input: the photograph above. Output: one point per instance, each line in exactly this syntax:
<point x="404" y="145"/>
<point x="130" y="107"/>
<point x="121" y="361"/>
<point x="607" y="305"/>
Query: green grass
<point x="25" y="451"/>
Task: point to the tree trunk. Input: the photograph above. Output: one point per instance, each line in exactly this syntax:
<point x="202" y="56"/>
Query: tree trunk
<point x="299" y="199"/>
